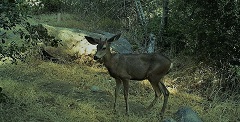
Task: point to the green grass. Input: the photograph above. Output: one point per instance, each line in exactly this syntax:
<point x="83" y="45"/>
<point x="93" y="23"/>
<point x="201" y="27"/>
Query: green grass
<point x="44" y="91"/>
<point x="87" y="23"/>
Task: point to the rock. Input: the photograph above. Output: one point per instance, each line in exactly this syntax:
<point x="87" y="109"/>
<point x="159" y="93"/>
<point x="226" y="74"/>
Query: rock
<point x="186" y="114"/>
<point x="75" y="45"/>
<point x="121" y="45"/>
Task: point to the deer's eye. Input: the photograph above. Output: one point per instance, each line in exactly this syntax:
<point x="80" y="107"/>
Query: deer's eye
<point x="104" y="48"/>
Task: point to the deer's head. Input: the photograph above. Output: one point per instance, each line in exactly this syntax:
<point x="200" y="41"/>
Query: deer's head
<point x="103" y="47"/>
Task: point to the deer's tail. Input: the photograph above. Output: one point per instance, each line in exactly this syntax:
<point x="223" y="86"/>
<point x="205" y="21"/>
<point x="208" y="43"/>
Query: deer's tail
<point x="171" y="66"/>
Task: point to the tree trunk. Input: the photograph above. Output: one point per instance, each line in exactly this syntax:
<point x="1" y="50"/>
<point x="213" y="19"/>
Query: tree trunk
<point x="143" y="23"/>
<point x="140" y="12"/>
<point x="151" y="45"/>
<point x="59" y="18"/>
<point x="148" y="43"/>
<point x="164" y="19"/>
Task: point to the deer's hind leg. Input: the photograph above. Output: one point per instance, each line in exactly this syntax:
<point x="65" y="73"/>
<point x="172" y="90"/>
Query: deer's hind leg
<point x="165" y="92"/>
<point x="157" y="91"/>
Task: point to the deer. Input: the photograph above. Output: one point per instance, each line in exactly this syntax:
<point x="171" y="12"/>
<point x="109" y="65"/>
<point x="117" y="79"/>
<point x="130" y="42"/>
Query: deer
<point x="126" y="67"/>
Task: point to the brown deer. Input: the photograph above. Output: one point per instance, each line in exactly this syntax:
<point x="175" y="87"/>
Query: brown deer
<point x="125" y="67"/>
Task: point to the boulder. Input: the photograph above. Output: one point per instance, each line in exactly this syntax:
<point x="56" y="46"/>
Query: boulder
<point x="75" y="45"/>
<point x="186" y="114"/>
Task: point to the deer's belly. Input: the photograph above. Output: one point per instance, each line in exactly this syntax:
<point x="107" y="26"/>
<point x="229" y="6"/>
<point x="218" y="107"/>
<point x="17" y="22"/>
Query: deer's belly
<point x="132" y="75"/>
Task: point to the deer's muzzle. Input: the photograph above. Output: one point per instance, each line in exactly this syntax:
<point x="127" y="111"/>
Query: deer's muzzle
<point x="95" y="58"/>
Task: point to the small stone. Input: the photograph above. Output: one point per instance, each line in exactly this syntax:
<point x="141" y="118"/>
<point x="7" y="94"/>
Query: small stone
<point x="95" y="88"/>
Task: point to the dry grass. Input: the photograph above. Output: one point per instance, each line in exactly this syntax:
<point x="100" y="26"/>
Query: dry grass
<point x="45" y="91"/>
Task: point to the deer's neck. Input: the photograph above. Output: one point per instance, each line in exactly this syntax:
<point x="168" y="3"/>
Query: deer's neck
<point x="107" y="59"/>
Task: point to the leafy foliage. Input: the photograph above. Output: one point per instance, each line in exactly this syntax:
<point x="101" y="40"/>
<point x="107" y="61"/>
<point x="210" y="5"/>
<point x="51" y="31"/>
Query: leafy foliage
<point x="209" y="26"/>
<point x="210" y="31"/>
<point x="12" y="12"/>
<point x="13" y="24"/>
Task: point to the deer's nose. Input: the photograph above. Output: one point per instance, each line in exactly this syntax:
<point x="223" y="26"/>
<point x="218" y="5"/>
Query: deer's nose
<point x="95" y="58"/>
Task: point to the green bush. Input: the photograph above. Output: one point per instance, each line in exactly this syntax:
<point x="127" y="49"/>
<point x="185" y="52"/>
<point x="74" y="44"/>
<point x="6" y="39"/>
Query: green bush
<point x="18" y="37"/>
<point x="210" y="30"/>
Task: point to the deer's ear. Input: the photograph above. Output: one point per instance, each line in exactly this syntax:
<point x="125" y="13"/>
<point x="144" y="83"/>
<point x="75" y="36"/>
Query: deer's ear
<point x="114" y="38"/>
<point x="92" y="40"/>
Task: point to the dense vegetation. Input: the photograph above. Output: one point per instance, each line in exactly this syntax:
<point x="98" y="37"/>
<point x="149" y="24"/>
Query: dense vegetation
<point x="201" y="36"/>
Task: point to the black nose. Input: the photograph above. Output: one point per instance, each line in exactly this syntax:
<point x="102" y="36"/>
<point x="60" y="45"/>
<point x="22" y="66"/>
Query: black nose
<point x="95" y="58"/>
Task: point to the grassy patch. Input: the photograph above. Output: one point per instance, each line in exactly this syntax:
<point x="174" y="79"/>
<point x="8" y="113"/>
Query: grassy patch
<point x="90" y="23"/>
<point x="67" y="20"/>
<point x="45" y="91"/>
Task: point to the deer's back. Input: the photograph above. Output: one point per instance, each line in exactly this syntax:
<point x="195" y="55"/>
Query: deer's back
<point x="137" y="66"/>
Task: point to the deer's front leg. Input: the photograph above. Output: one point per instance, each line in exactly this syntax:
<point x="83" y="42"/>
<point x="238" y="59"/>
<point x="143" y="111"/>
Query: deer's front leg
<point x="118" y="84"/>
<point x="126" y="87"/>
